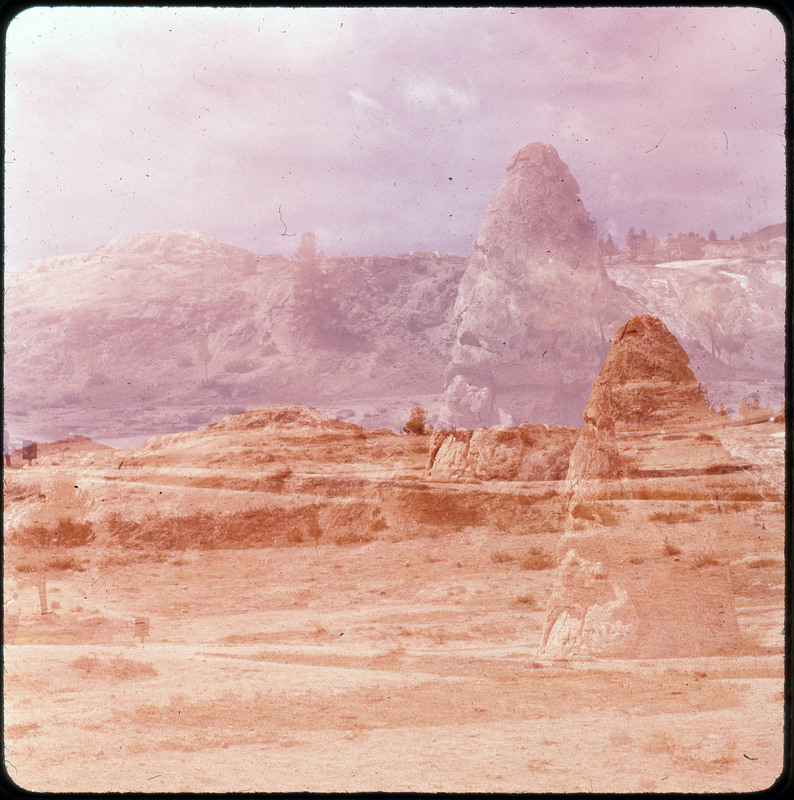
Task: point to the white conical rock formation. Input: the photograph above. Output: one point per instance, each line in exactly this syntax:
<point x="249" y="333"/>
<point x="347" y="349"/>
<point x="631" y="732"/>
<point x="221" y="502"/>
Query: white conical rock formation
<point x="535" y="307"/>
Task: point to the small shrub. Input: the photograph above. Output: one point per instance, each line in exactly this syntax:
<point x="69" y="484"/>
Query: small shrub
<point x="582" y="511"/>
<point x="706" y="558"/>
<point x="636" y="559"/>
<point x="527" y="600"/>
<point x="377" y="521"/>
<point x="669" y="549"/>
<point x="64" y="564"/>
<point x="501" y="557"/>
<point x="748" y="409"/>
<point x="762" y="561"/>
<point x="417" y="424"/>
<point x="538" y="559"/>
<point x="65" y="533"/>
<point x="705" y="437"/>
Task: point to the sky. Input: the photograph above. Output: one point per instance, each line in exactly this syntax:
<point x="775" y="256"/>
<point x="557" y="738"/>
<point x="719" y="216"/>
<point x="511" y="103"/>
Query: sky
<point x="382" y="130"/>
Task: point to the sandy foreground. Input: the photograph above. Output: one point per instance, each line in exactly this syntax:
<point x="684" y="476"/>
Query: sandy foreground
<point x="405" y="662"/>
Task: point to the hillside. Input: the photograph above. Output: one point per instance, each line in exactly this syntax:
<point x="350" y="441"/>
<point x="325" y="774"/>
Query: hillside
<point x="161" y="330"/>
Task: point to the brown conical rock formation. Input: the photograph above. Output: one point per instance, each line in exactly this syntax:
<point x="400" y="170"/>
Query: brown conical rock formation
<point x="535" y="307"/>
<point x="648" y="378"/>
<point x="601" y="606"/>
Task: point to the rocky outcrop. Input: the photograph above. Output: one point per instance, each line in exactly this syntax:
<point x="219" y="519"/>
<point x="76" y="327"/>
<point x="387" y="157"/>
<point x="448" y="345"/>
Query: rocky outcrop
<point x="595" y="457"/>
<point x="601" y="606"/>
<point x="525" y="453"/>
<point x="589" y="613"/>
<point x="646" y="380"/>
<point x="535" y="307"/>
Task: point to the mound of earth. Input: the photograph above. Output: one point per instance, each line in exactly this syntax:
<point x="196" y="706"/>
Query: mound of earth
<point x="282" y="417"/>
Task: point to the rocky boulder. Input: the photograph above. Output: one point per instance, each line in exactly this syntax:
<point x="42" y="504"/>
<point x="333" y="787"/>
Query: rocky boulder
<point x="535" y="308"/>
<point x="588" y="613"/>
<point x="525" y="453"/>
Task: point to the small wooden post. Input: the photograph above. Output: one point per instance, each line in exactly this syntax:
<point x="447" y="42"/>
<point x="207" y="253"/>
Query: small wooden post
<point x="41" y="582"/>
<point x="141" y="628"/>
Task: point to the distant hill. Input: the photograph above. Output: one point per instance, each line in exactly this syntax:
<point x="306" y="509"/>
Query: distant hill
<point x="168" y="330"/>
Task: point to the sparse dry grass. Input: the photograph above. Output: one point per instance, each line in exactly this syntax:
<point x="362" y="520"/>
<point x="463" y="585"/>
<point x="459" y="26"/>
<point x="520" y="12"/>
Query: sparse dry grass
<point x="20" y="729"/>
<point x="746" y="495"/>
<point x="65" y="563"/>
<point x="527" y="600"/>
<point x="538" y="559"/>
<point x="673" y="517"/>
<point x="253" y="527"/>
<point x="705" y="558"/>
<point x="700" y="490"/>
<point x="761" y="562"/>
<point x="714" y="753"/>
<point x="118" y="667"/>
<point x="351" y="538"/>
<point x="66" y="532"/>
<point x="670" y="549"/>
<point x="377" y="521"/>
<point x="16" y="491"/>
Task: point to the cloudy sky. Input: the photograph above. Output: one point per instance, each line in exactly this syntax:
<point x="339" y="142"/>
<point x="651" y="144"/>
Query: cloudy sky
<point x="382" y="130"/>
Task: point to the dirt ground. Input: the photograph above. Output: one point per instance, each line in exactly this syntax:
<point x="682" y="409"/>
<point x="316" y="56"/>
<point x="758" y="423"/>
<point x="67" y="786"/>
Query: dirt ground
<point x="394" y="649"/>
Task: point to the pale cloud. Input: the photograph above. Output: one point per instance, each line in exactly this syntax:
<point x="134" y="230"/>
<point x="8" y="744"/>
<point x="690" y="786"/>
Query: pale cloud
<point x="361" y="100"/>
<point x="434" y="95"/>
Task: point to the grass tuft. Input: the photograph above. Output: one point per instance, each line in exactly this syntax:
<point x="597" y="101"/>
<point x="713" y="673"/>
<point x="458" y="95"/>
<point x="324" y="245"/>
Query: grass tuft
<point x="538" y="559"/>
<point x="705" y="558"/>
<point x="117" y="667"/>
<point x="670" y="549"/>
